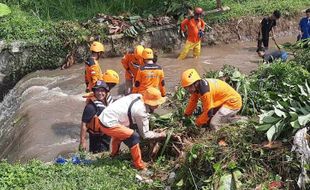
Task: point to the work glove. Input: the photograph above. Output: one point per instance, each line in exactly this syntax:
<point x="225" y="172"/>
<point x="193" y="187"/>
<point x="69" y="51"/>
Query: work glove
<point x="201" y="34"/>
<point x="87" y="90"/>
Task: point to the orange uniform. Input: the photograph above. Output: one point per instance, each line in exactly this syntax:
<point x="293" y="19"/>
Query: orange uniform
<point x="131" y="64"/>
<point x="92" y="73"/>
<point x="214" y="93"/>
<point x="193" y="28"/>
<point x="150" y="75"/>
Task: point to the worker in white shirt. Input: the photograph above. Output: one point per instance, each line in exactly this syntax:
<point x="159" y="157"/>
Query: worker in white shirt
<point x="120" y="118"/>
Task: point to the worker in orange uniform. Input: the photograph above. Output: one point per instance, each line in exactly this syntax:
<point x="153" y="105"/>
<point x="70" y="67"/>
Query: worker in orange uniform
<point x="219" y="100"/>
<point x="194" y="27"/>
<point x="92" y="68"/>
<point x="127" y="114"/>
<point x="131" y="63"/>
<point x="149" y="75"/>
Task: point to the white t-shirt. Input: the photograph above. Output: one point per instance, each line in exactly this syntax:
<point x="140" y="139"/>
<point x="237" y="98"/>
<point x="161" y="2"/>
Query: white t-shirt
<point x="116" y="114"/>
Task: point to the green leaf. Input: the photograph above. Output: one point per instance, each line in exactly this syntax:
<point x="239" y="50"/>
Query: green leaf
<point x="232" y="165"/>
<point x="166" y="141"/>
<point x="295" y="124"/>
<point x="270" y="119"/>
<point x="217" y="166"/>
<point x="304" y="119"/>
<point x="166" y="116"/>
<point x="271" y="132"/>
<point x="4" y="10"/>
<point x="294" y="116"/>
<point x="265" y="114"/>
<point x="303" y="110"/>
<point x="279" y="112"/>
<point x="307" y="86"/>
<point x="180" y="183"/>
<point x="302" y="90"/>
<point x="263" y="127"/>
<point x="279" y="106"/>
<point x="236" y="74"/>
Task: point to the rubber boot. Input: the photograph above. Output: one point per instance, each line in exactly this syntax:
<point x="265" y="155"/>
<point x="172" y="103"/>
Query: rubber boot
<point x="136" y="157"/>
<point x="115" y="144"/>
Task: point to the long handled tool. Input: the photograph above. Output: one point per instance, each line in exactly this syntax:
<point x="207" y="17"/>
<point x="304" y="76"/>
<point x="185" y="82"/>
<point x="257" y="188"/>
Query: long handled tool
<point x="275" y="42"/>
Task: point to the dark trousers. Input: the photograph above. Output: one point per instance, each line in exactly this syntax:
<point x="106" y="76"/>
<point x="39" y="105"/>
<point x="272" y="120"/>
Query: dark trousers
<point x="263" y="40"/>
<point x="99" y="143"/>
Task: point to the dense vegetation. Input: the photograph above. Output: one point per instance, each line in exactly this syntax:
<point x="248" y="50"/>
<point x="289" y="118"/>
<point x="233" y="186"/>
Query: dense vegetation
<point x="81" y="10"/>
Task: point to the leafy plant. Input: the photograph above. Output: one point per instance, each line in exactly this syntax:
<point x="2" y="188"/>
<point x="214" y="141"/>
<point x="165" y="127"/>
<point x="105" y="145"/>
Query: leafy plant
<point x="4" y="10"/>
<point x="242" y="162"/>
<point x="288" y="115"/>
<point x="301" y="52"/>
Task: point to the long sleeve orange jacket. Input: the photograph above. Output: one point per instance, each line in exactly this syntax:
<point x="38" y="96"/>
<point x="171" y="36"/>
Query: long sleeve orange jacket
<point x="192" y="26"/>
<point x="213" y="93"/>
<point x="131" y="64"/>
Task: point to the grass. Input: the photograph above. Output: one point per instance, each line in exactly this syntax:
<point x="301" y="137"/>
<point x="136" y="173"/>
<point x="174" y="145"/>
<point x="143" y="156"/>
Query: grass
<point x="81" y="10"/>
<point x="241" y="8"/>
<point x="103" y="174"/>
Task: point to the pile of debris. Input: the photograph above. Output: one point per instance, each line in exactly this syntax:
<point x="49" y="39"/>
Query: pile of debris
<point x="129" y="26"/>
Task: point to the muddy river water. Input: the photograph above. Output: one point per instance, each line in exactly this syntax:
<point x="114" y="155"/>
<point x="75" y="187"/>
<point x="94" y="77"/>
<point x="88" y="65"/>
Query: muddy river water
<point x="51" y="102"/>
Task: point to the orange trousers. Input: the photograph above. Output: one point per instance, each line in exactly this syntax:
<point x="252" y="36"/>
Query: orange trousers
<point x="121" y="133"/>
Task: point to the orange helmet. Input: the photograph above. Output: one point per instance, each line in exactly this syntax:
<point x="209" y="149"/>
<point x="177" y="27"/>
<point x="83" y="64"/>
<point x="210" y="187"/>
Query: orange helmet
<point x="198" y="10"/>
<point x="97" y="47"/>
<point x="147" y="53"/>
<point x="189" y="77"/>
<point x="111" y="76"/>
<point x="138" y="51"/>
<point x="152" y="97"/>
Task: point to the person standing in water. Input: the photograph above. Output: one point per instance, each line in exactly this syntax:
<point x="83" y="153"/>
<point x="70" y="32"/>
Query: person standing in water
<point x="195" y="27"/>
<point x="266" y="26"/>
